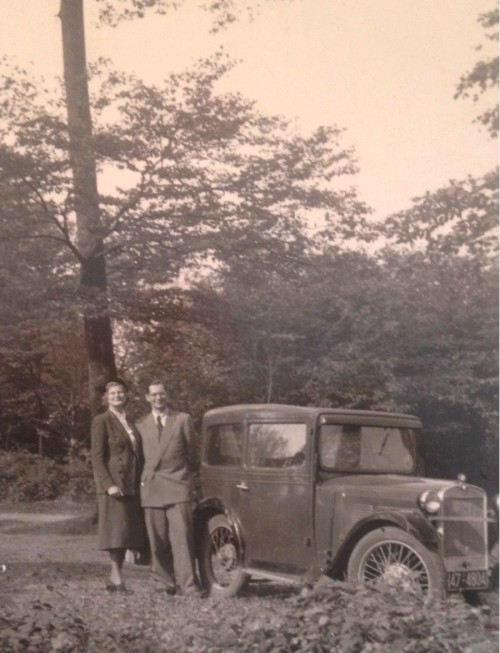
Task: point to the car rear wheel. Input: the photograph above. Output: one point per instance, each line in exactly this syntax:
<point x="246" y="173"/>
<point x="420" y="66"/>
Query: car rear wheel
<point x="392" y="557"/>
<point x="220" y="559"/>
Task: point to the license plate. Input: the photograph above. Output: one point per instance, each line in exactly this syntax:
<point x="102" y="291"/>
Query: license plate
<point x="467" y="580"/>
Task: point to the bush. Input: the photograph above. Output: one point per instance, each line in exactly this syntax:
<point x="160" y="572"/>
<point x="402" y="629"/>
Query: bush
<point x="331" y="619"/>
<point x="338" y="617"/>
<point x="80" y="481"/>
<point x="43" y="631"/>
<point x="29" y="477"/>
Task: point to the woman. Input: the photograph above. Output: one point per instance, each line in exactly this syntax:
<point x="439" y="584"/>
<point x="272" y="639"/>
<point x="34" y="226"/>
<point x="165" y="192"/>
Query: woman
<point x="117" y="462"/>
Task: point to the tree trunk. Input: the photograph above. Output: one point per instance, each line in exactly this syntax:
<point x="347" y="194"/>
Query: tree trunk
<point x="93" y="284"/>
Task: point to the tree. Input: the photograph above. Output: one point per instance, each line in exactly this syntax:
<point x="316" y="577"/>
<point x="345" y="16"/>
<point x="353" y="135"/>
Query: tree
<point x="299" y="339"/>
<point x="44" y="391"/>
<point x="484" y="76"/>
<point x="89" y="244"/>
<point x="460" y="219"/>
<point x="41" y="389"/>
<point x="254" y="335"/>
<point x="411" y="327"/>
<point x="89" y="247"/>
<point x="443" y="308"/>
<point x="207" y="181"/>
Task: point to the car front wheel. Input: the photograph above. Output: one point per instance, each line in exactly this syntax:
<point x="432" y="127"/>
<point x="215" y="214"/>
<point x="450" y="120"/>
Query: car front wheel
<point x="220" y="559"/>
<point x="392" y="557"/>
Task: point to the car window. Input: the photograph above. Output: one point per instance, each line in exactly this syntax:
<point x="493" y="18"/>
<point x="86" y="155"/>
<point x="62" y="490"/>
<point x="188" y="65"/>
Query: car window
<point x="276" y="445"/>
<point x="224" y="444"/>
<point x="349" y="447"/>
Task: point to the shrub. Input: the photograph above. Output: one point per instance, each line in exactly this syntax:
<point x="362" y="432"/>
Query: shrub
<point x="29" y="477"/>
<point x="337" y="617"/>
<point x="43" y="630"/>
<point x="79" y="481"/>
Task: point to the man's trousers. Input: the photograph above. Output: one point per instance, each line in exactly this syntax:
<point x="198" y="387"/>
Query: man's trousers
<point x="170" y="533"/>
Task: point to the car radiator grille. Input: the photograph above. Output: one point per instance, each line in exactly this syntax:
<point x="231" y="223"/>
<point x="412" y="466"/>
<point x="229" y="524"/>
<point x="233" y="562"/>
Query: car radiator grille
<point x="464" y="526"/>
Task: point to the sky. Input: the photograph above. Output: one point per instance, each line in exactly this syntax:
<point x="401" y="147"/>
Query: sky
<point x="385" y="71"/>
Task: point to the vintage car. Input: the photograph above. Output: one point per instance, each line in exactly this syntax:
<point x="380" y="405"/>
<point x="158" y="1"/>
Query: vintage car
<point x="291" y="493"/>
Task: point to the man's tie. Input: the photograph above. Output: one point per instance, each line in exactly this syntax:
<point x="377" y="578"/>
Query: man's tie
<point x="159" y="425"/>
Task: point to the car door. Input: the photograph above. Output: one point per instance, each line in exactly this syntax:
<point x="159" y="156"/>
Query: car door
<point x="274" y="506"/>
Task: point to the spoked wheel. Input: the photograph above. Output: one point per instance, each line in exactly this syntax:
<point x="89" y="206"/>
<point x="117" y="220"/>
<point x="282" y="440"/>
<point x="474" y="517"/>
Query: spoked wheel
<point x="220" y="559"/>
<point x="392" y="557"/>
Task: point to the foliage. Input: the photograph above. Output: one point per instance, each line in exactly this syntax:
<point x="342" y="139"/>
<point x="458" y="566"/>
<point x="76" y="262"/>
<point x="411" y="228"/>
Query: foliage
<point x="43" y="631"/>
<point x="299" y="339"/>
<point x="185" y="345"/>
<point x="205" y="181"/>
<point x="324" y="620"/>
<point x="44" y="387"/>
<point x="484" y="76"/>
<point x="28" y="477"/>
<point x="204" y="175"/>
<point x="337" y="618"/>
<point x="79" y="485"/>
<point x="209" y="188"/>
<point x="412" y="327"/>
<point x="441" y="317"/>
<point x="458" y="220"/>
<point x="224" y="12"/>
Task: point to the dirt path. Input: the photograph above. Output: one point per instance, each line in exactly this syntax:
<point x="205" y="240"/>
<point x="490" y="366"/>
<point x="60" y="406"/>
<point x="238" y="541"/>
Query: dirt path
<point x="35" y="517"/>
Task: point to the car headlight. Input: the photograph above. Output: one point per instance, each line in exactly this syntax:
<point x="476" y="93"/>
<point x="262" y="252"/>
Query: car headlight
<point x="429" y="502"/>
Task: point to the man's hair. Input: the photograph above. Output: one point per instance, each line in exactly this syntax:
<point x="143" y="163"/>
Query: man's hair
<point x="157" y="382"/>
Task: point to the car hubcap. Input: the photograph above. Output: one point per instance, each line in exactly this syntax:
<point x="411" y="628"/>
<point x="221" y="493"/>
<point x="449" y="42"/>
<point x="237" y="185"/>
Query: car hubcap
<point x="224" y="556"/>
<point x="395" y="565"/>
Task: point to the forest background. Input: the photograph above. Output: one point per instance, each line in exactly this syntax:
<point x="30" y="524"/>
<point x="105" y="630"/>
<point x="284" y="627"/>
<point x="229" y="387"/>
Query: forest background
<point x="231" y="252"/>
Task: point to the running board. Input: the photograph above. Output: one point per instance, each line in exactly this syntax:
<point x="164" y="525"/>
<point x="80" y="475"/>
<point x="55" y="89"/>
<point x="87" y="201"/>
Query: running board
<point x="271" y="575"/>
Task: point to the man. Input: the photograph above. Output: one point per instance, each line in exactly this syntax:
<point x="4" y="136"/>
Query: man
<point x="166" y="491"/>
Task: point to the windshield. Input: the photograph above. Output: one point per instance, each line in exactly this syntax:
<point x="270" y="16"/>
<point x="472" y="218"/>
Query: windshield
<point x="349" y="447"/>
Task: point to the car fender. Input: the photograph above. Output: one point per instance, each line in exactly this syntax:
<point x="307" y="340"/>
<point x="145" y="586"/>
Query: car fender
<point x="413" y="523"/>
<point x="215" y="506"/>
<point x="208" y="506"/>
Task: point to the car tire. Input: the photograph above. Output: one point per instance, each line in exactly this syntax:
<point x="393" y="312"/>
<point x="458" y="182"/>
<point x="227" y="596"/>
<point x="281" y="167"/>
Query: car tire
<point x="220" y="559"/>
<point x="397" y="559"/>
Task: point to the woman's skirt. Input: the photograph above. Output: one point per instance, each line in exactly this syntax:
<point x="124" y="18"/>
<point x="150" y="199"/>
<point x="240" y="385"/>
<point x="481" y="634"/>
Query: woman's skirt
<point x="121" y="523"/>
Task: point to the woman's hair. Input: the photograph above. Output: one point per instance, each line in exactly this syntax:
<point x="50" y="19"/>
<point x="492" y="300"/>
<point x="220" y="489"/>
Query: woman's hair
<point x="116" y="382"/>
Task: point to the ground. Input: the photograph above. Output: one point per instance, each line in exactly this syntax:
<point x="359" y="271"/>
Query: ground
<point x="52" y="567"/>
<point x="53" y="598"/>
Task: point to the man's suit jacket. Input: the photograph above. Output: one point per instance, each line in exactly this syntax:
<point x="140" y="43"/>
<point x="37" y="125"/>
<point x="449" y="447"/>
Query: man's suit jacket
<point x="169" y="460"/>
<point x="114" y="460"/>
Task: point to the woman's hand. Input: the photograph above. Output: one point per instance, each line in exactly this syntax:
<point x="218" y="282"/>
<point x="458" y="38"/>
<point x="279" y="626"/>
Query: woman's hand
<point x="114" y="491"/>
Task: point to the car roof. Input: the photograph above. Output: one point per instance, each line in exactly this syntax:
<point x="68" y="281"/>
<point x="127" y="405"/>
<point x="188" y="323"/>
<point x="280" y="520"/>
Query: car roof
<point x="290" y="412"/>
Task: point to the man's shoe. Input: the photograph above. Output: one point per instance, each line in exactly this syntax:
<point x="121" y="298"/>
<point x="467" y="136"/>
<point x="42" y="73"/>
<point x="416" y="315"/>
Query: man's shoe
<point x="202" y="594"/>
<point x="196" y="593"/>
<point x="170" y="591"/>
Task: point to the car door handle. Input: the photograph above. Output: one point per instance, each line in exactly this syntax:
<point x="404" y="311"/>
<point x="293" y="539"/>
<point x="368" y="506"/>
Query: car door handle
<point x="242" y="486"/>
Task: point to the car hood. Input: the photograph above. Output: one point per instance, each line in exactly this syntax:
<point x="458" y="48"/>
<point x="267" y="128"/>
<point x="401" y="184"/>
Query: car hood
<point x="380" y="491"/>
<point x="347" y="502"/>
